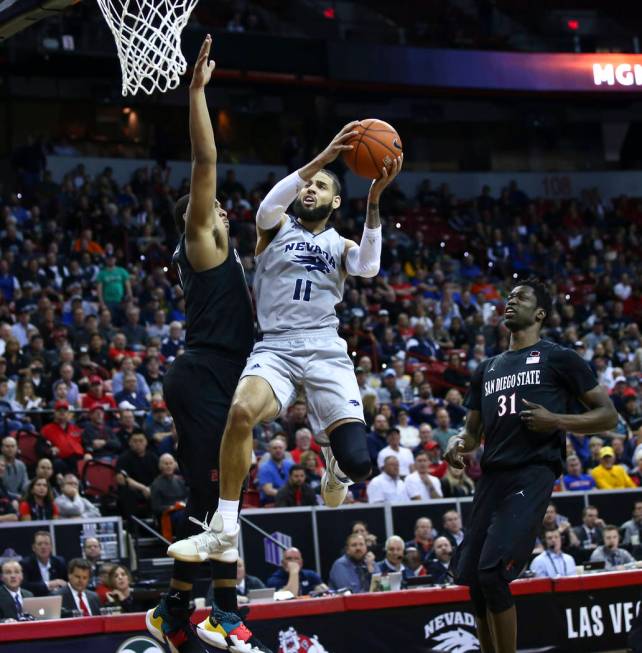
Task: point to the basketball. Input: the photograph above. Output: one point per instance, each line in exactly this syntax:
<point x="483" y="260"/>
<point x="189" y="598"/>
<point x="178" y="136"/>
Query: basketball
<point x="376" y="145"/>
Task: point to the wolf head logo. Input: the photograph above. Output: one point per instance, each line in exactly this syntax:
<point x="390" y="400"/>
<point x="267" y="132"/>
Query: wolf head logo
<point x="456" y="641"/>
<point x="312" y="262"/>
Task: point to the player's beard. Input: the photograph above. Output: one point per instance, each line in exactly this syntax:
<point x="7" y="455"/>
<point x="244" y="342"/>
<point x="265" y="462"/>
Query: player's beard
<point x="314" y="215"/>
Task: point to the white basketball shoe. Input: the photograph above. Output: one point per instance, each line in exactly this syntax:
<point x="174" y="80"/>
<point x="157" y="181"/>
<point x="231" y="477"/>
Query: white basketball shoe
<point x="334" y="483"/>
<point x="212" y="543"/>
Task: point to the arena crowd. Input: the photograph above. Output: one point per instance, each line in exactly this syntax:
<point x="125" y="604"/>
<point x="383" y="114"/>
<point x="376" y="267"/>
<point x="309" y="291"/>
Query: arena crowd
<point x="92" y="314"/>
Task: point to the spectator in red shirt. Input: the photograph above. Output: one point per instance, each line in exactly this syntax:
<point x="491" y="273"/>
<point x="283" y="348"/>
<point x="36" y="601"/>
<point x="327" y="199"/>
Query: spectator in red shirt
<point x="118" y="348"/>
<point x="438" y="467"/>
<point x="38" y="502"/>
<point x="96" y="395"/>
<point x="303" y="439"/>
<point x="65" y="439"/>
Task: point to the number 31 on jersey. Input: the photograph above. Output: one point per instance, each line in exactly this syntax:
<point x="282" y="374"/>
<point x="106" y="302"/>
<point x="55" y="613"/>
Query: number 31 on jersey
<point x="507" y="404"/>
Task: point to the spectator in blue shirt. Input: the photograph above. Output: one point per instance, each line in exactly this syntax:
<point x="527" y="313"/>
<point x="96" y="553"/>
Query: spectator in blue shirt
<point x="129" y="393"/>
<point x="273" y="474"/>
<point x="581" y="446"/>
<point x="8" y="283"/>
<point x="171" y="345"/>
<point x="574" y="479"/>
<point x="377" y="438"/>
<point x="292" y="577"/>
<point x="353" y="569"/>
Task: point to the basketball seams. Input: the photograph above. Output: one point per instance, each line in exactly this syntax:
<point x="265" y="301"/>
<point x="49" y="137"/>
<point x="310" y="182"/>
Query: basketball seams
<point x="355" y="151"/>
<point x="372" y="158"/>
<point x="390" y="149"/>
<point x="375" y="147"/>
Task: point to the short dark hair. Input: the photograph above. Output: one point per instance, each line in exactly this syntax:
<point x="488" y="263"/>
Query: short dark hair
<point x="41" y="534"/>
<point x="296" y="468"/>
<point x="78" y="563"/>
<point x="179" y="211"/>
<point x="335" y="180"/>
<point x="112" y="573"/>
<point x="587" y="508"/>
<point x="352" y="536"/>
<point x="542" y="295"/>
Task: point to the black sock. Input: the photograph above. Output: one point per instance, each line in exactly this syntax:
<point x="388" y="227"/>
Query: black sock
<point x="225" y="598"/>
<point x="178" y="598"/>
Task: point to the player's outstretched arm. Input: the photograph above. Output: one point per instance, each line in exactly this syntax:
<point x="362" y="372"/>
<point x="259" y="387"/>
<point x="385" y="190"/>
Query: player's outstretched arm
<point x="271" y="213"/>
<point x="601" y="415"/>
<point x="201" y="217"/>
<point x="466" y="441"/>
<point x="364" y="260"/>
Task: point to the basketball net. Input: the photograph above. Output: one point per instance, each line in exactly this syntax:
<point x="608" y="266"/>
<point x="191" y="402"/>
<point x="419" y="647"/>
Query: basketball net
<point x="148" y="40"/>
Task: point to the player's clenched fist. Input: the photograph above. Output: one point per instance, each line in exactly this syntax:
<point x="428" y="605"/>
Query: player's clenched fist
<point x="454" y="452"/>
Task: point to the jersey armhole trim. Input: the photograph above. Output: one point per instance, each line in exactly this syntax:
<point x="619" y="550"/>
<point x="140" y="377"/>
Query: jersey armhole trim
<point x="287" y="221"/>
<point x="215" y="268"/>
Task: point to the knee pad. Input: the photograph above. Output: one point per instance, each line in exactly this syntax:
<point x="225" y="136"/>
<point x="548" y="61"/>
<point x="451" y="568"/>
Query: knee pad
<point x="496" y="591"/>
<point x="350" y="448"/>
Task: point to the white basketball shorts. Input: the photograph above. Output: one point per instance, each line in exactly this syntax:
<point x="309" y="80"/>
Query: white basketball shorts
<point x="317" y="363"/>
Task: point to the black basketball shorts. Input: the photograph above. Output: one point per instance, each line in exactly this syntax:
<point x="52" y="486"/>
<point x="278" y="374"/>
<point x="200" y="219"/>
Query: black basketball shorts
<point x="198" y="389"/>
<point x="507" y="513"/>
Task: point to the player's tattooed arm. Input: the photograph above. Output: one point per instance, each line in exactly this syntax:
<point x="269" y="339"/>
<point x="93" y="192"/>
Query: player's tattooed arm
<point x="465" y="441"/>
<point x="364" y="260"/>
<point x="372" y="215"/>
<point x="379" y="185"/>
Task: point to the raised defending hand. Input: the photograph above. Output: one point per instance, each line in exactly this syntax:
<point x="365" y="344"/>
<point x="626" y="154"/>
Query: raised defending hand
<point x="203" y="68"/>
<point x="378" y="185"/>
<point x="454" y="452"/>
<point x="537" y="418"/>
<point x="338" y="143"/>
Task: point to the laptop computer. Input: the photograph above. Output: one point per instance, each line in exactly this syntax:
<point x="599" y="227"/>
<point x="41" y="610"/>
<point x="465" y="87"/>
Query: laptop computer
<point x="261" y="596"/>
<point x="386" y="582"/>
<point x="43" y="607"/>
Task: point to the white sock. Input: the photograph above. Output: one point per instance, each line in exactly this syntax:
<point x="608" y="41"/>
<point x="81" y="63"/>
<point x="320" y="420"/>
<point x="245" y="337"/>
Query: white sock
<point x="230" y="512"/>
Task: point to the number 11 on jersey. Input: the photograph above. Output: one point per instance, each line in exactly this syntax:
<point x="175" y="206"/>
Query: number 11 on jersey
<point x="503" y="408"/>
<point x="306" y="291"/>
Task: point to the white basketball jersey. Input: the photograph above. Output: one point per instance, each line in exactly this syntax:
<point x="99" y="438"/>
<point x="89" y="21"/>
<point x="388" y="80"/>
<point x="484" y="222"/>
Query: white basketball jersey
<point x="298" y="280"/>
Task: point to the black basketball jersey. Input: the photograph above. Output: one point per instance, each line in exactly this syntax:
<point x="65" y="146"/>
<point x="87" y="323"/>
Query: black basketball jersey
<point x="217" y="305"/>
<point x="545" y="374"/>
